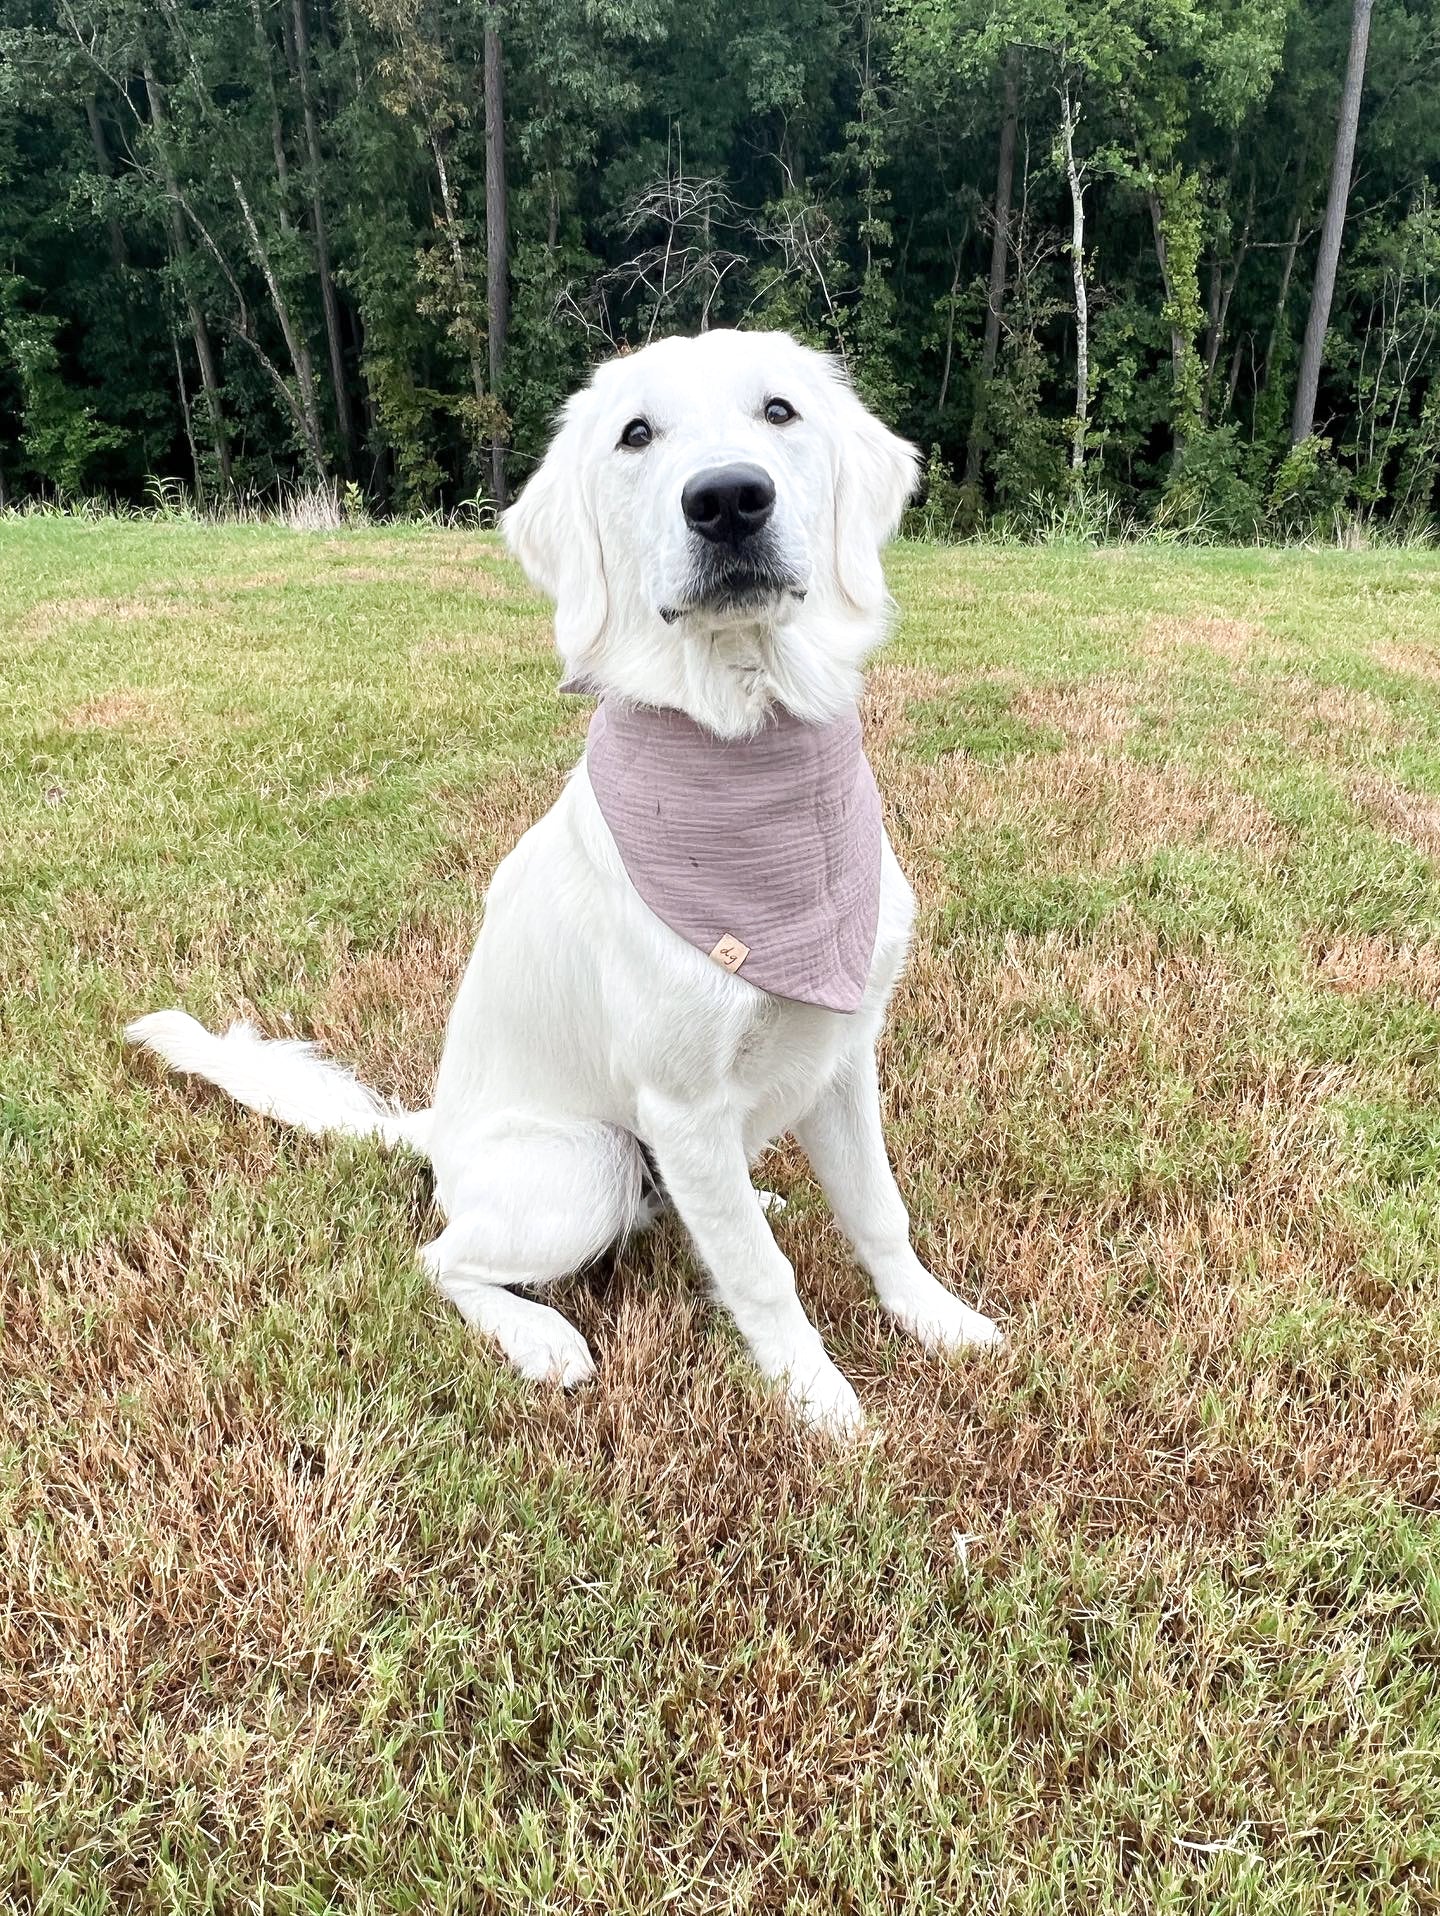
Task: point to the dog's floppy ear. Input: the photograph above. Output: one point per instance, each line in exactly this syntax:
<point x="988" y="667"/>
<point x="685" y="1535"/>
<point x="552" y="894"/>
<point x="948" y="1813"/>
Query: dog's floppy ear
<point x="551" y="529"/>
<point x="875" y="473"/>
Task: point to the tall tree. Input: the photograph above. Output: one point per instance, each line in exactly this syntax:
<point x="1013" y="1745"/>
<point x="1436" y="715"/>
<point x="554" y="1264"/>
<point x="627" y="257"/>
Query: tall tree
<point x="183" y="258"/>
<point x="497" y="240"/>
<point x="1322" y="291"/>
<point x="1069" y="114"/>
<point x="999" y="262"/>
<point x="329" y="301"/>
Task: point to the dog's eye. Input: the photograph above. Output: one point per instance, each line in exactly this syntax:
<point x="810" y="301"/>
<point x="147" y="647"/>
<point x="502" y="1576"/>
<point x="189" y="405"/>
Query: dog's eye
<point x="779" y="412"/>
<point x="637" y="435"/>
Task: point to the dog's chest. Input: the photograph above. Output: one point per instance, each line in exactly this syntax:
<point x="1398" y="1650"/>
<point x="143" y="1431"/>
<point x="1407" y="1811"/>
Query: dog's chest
<point x="782" y="1039"/>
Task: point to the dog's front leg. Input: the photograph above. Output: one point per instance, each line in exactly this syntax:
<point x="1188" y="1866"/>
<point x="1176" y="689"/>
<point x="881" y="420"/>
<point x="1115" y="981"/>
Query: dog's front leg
<point x="700" y="1155"/>
<point x="844" y="1139"/>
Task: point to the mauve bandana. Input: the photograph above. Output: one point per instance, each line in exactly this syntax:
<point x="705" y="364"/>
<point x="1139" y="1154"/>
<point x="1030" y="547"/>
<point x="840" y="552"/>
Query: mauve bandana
<point x="764" y="852"/>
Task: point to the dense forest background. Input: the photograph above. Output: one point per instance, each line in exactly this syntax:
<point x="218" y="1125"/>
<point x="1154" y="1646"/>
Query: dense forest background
<point x="1177" y="260"/>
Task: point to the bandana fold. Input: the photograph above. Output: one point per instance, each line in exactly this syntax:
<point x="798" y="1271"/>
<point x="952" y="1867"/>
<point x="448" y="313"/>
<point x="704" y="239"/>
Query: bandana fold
<point x="764" y="852"/>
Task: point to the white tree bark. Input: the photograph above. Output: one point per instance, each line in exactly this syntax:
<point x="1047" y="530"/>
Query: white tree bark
<point x="1069" y="117"/>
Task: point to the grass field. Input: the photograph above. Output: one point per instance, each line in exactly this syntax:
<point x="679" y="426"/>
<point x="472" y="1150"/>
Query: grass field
<point x="308" y="1604"/>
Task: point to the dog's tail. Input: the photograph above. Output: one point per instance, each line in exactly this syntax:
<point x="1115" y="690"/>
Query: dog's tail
<point x="282" y="1078"/>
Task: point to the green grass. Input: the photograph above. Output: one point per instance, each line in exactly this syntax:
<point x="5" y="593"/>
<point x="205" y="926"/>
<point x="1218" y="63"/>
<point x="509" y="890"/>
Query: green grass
<point x="308" y="1604"/>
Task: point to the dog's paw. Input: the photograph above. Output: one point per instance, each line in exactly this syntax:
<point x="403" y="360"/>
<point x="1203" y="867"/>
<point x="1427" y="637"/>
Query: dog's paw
<point x="937" y="1319"/>
<point x="771" y="1203"/>
<point x="540" y="1343"/>
<point x="547" y="1349"/>
<point x="822" y="1399"/>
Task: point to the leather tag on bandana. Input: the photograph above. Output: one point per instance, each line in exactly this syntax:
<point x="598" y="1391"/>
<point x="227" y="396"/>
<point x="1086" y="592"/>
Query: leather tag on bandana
<point x="730" y="954"/>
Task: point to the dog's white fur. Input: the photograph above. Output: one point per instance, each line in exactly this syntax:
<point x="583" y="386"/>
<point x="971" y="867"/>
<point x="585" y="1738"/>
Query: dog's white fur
<point x="584" y="1024"/>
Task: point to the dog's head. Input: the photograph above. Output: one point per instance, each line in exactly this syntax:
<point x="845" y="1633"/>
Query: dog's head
<point x="726" y="485"/>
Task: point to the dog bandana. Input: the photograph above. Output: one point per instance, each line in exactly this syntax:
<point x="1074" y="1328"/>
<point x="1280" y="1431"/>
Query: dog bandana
<point x="764" y="852"/>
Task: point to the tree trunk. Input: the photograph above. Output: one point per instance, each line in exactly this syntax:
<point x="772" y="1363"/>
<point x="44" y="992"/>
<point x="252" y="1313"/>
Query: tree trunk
<point x="372" y="448"/>
<point x="186" y="415"/>
<point x="351" y="48"/>
<point x="1233" y="378"/>
<point x="199" y="330"/>
<point x="999" y="267"/>
<point x="1285" y="274"/>
<point x="867" y="227"/>
<point x="497" y="238"/>
<point x="1077" y="269"/>
<point x="277" y="133"/>
<point x="102" y="161"/>
<point x="451" y="221"/>
<point x="950" y="335"/>
<point x="1213" y="300"/>
<point x="1222" y="291"/>
<point x="1302" y="422"/>
<point x="302" y="410"/>
<point x="1177" y="338"/>
<point x="328" y="299"/>
<point x="294" y="339"/>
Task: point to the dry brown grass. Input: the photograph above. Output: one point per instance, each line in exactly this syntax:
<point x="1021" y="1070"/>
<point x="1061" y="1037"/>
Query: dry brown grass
<point x="1167" y="634"/>
<point x="1095" y="814"/>
<point x="220" y="584"/>
<point x="477" y="644"/>
<point x="1325" y="720"/>
<point x="305" y="1604"/>
<point x="1098" y="807"/>
<point x="187" y="1506"/>
<point x="1411" y="816"/>
<point x="1359" y="963"/>
<point x="474" y="580"/>
<point x="1412" y="657"/>
<point x="1099" y="711"/>
<point x="141" y="710"/>
<point x="52" y="618"/>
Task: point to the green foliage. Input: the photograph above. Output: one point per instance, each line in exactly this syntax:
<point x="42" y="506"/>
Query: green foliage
<point x="1213" y="494"/>
<point x="1309" y="491"/>
<point x="240" y="257"/>
<point x="1030" y="456"/>
<point x="939" y="511"/>
<point x="59" y="434"/>
<point x="1394" y="362"/>
<point x="1182" y="224"/>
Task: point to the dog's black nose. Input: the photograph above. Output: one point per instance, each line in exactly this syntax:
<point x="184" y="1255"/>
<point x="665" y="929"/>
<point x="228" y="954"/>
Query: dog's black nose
<point x="728" y="503"/>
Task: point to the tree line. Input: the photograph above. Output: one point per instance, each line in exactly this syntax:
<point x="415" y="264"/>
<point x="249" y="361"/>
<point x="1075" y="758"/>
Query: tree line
<point x="1179" y="258"/>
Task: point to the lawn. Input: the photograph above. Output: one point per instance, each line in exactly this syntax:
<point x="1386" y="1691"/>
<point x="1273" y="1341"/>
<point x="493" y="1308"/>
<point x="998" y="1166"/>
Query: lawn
<point x="308" y="1604"/>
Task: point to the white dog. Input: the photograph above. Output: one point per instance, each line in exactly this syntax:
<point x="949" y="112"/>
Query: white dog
<point x="708" y="520"/>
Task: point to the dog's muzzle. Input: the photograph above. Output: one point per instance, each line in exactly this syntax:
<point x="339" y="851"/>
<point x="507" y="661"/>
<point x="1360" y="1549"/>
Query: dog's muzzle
<point x="728" y="505"/>
<point x="735" y="563"/>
